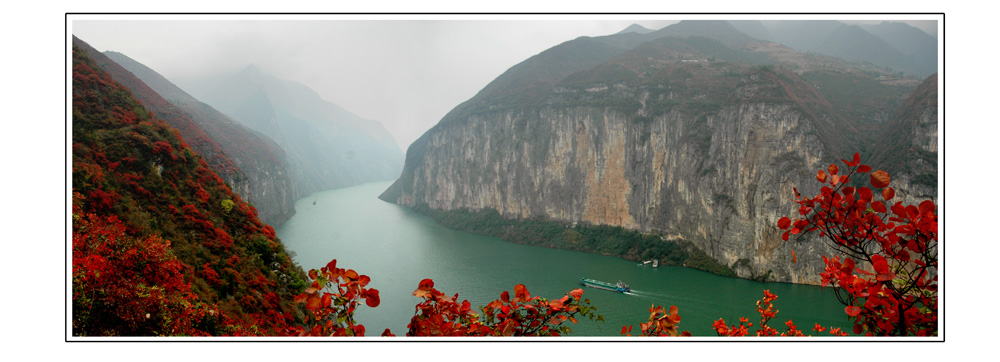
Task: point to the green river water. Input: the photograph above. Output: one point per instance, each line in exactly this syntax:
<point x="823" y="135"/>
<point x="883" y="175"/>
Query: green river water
<point x="397" y="248"/>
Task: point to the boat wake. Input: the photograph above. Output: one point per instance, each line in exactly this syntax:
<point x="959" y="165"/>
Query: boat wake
<point x="662" y="298"/>
<point x="639" y="293"/>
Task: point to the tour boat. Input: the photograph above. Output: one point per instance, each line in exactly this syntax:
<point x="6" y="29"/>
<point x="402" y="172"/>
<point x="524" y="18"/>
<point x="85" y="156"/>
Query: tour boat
<point x="619" y="287"/>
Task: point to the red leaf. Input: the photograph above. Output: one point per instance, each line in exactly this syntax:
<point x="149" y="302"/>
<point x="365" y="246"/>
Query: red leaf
<point x="576" y="293"/>
<point x="821" y="176"/>
<point x="332" y="265"/>
<point x="864" y="168"/>
<point x="898" y="209"/>
<point x="857" y="158"/>
<point x="852" y="310"/>
<point x="880" y="179"/>
<point x="426" y="284"/>
<point x="794" y="260"/>
<point x="301" y="297"/>
<point x="313" y="303"/>
<point x="784" y="223"/>
<point x="865" y="194"/>
<point x="521" y="293"/>
<point x="833" y="169"/>
<point x="351" y="274"/>
<point x="927" y="206"/>
<point x="372" y="298"/>
<point x="879" y="264"/>
<point x="784" y="236"/>
<point x="848" y="266"/>
<point x="878" y="207"/>
<point x="888" y="193"/>
<point x="884" y="277"/>
<point x="903" y="256"/>
<point x="556" y="304"/>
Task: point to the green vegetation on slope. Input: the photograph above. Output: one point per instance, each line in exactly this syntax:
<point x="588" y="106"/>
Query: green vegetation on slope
<point x="601" y="239"/>
<point x="142" y="200"/>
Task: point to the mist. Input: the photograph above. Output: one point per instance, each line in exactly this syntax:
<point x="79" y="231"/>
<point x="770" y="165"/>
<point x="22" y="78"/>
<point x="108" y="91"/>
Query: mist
<point x="406" y="74"/>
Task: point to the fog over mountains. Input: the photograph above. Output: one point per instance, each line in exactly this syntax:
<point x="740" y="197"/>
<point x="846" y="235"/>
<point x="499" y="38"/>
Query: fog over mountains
<point x="694" y="131"/>
<point x="328" y="146"/>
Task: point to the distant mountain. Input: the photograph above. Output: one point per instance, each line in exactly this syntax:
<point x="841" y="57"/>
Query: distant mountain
<point x="636" y="28"/>
<point x="720" y="30"/>
<point x="753" y="28"/>
<point x="918" y="46"/>
<point x="854" y="43"/>
<point x="251" y="163"/>
<point x="327" y="146"/>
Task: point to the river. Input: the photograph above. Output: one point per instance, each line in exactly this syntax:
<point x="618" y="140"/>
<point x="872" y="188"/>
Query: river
<point x="398" y="248"/>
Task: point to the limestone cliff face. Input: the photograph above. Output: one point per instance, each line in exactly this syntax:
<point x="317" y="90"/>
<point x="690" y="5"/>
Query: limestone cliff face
<point x="663" y="138"/>
<point x="720" y="178"/>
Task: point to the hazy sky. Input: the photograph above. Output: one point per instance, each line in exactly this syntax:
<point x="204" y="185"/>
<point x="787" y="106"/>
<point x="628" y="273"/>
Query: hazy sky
<point x="404" y="72"/>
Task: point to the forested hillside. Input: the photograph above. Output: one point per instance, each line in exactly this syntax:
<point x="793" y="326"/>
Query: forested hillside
<point x="161" y="245"/>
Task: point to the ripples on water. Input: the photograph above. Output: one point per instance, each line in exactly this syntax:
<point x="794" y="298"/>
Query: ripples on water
<point x="397" y="248"/>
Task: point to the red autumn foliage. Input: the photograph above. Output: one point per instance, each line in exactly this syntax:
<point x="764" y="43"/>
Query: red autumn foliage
<point x="660" y="324"/>
<point x="523" y="315"/>
<point x="894" y="291"/>
<point x="131" y="166"/>
<point x="128" y="279"/>
<point x="767" y="312"/>
<point x="331" y="300"/>
<point x="124" y="286"/>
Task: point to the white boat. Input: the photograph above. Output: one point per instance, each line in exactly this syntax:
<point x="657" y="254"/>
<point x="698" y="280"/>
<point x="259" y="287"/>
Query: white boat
<point x="656" y="262"/>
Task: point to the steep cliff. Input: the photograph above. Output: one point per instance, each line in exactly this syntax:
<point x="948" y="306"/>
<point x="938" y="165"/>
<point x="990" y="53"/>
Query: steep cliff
<point x="908" y="144"/>
<point x="251" y="163"/>
<point x="682" y="136"/>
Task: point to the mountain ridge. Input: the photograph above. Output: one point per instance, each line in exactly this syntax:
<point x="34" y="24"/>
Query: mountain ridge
<point x="682" y="136"/>
<point x="161" y="245"/>
<point x="328" y="147"/>
<point x="261" y="172"/>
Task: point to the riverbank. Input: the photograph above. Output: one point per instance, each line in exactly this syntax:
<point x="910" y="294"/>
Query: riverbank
<point x="599" y="239"/>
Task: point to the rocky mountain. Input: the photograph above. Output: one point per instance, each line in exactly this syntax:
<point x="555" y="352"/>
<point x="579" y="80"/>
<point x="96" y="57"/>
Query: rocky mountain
<point x="920" y="47"/>
<point x="673" y="133"/>
<point x="636" y="28"/>
<point x="327" y="146"/>
<point x="908" y="144"/>
<point x="882" y="45"/>
<point x="251" y="163"/>
<point x="753" y="28"/>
